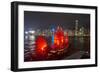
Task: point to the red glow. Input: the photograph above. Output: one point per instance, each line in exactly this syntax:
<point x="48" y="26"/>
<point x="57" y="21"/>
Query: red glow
<point x="66" y="41"/>
<point x="59" y="38"/>
<point x="41" y="45"/>
<point x="43" y="48"/>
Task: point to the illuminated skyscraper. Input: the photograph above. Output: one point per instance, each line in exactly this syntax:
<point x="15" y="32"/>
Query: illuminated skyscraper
<point x="76" y="27"/>
<point x="53" y="30"/>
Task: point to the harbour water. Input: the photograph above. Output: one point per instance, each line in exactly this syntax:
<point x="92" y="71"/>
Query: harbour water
<point x="79" y="48"/>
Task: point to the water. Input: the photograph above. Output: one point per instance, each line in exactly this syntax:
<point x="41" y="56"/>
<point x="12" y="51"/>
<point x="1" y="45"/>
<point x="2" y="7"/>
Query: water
<point x="79" y="48"/>
<point x="80" y="45"/>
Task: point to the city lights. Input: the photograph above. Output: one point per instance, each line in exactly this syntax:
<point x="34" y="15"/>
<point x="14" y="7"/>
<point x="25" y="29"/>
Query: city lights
<point x="57" y="43"/>
<point x="32" y="31"/>
<point x="26" y="32"/>
<point x="26" y="37"/>
<point x="55" y="36"/>
<point x="32" y="37"/>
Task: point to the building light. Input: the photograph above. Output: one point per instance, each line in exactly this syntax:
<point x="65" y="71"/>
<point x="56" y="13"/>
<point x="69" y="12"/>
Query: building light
<point x="26" y="37"/>
<point x="32" y="31"/>
<point x="26" y="32"/>
<point x="32" y="37"/>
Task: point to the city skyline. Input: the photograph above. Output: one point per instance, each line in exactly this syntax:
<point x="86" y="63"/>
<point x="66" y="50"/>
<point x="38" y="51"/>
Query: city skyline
<point x="43" y="20"/>
<point x="56" y="36"/>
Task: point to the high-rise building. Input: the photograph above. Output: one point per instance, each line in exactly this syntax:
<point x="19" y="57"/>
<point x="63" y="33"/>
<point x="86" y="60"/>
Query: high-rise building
<point x="76" y="27"/>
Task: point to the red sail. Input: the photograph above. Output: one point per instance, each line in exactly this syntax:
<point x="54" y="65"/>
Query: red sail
<point x="59" y="38"/>
<point x="41" y="47"/>
<point x="61" y="41"/>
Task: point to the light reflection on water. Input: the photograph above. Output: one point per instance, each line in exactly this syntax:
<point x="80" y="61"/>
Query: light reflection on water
<point x="80" y="43"/>
<point x="76" y="43"/>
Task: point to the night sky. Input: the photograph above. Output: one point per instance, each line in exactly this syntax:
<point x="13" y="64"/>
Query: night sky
<point x="43" y="20"/>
